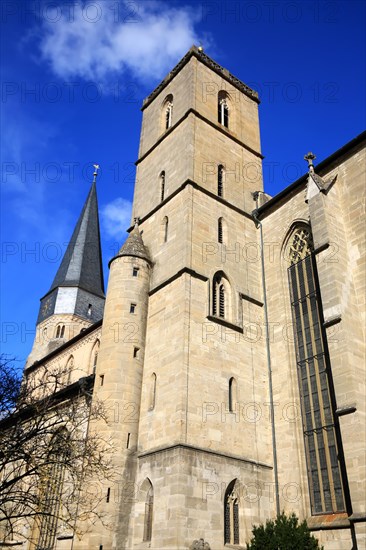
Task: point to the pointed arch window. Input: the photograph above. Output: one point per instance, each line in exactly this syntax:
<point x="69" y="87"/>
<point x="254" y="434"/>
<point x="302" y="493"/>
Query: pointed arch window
<point x="223" y="109"/>
<point x="162" y="186"/>
<point x="51" y="491"/>
<point x="220" y="295"/>
<point x="220" y="231"/>
<point x="231" y="514"/>
<point x="152" y="392"/>
<point x="220" y="180"/>
<point x="94" y="356"/>
<point x="69" y="368"/>
<point x="320" y="425"/>
<point x="168" y="111"/>
<point x="148" y="520"/>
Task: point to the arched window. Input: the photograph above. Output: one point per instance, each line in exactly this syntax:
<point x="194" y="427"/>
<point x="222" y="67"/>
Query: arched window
<point x="223" y="108"/>
<point x="51" y="490"/>
<point x="220" y="180"/>
<point x="168" y="111"/>
<point x="94" y="356"/>
<point x="231" y="514"/>
<point x="148" y="519"/>
<point x="69" y="368"/>
<point x="232" y="394"/>
<point x="165" y="225"/>
<point x="60" y="331"/>
<point x="152" y="391"/>
<point x="220" y="231"/>
<point x="162" y="186"/>
<point x="220" y="296"/>
<point x="320" y="425"/>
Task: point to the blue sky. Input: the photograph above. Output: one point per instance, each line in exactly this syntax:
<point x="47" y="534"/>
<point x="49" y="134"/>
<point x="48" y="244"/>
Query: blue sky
<point x="74" y="77"/>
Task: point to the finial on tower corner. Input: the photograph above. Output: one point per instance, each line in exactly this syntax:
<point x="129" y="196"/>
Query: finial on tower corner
<point x="137" y="222"/>
<point x="200" y="47"/>
<point x="309" y="158"/>
<point x="96" y="169"/>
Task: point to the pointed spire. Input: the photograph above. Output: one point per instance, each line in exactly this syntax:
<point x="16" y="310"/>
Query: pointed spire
<point x="81" y="265"/>
<point x="134" y="245"/>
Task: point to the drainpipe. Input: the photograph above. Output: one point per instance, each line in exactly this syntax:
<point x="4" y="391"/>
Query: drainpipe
<point x="275" y="469"/>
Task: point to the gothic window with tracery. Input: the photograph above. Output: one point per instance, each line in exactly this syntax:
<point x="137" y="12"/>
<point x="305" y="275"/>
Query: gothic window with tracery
<point x="231" y="514"/>
<point x="51" y="490"/>
<point x="315" y="378"/>
<point x="220" y="295"/>
<point x="148" y="520"/>
<point x="301" y="245"/>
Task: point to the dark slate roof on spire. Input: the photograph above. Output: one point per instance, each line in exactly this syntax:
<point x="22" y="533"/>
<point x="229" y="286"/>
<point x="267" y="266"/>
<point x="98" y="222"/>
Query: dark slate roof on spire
<point x="81" y="265"/>
<point x="134" y="246"/>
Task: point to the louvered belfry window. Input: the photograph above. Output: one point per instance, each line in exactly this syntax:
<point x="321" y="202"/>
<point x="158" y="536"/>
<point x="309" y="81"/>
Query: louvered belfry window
<point x="314" y="375"/>
<point x="220" y="231"/>
<point x="221" y="300"/>
<point x="220" y="291"/>
<point x="220" y="181"/>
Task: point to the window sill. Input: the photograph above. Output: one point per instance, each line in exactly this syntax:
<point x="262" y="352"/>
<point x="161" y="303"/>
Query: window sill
<point x="225" y="323"/>
<point x="328" y="521"/>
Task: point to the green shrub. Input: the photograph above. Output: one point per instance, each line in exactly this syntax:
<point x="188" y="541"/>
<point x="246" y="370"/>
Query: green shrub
<point x="285" y="533"/>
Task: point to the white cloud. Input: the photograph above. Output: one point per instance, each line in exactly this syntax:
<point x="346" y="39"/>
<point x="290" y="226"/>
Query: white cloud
<point x="116" y="217"/>
<point x="146" y="42"/>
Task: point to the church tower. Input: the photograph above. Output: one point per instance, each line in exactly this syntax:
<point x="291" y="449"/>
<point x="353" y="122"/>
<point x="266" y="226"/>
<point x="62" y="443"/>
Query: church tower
<point x="192" y="444"/>
<point x="76" y="297"/>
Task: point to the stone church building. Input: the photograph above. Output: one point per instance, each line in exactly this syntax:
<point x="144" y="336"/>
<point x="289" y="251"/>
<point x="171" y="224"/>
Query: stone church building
<point x="230" y="343"/>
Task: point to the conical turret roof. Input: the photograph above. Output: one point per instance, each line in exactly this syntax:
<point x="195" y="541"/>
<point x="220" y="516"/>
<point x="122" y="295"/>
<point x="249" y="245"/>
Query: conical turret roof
<point x="81" y="265"/>
<point x="134" y="246"/>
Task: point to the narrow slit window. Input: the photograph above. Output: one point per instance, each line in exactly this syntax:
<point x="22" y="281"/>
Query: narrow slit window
<point x="165" y="229"/>
<point x="133" y="308"/>
<point x="108" y="494"/>
<point x="162" y="186"/>
<point x="135" y="272"/>
<point x="136" y="353"/>
<point x="220" y="235"/>
<point x="232" y="384"/>
<point x="221" y="300"/>
<point x="168" y="115"/>
<point x="128" y="441"/>
<point x="220" y="181"/>
<point x="101" y="379"/>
